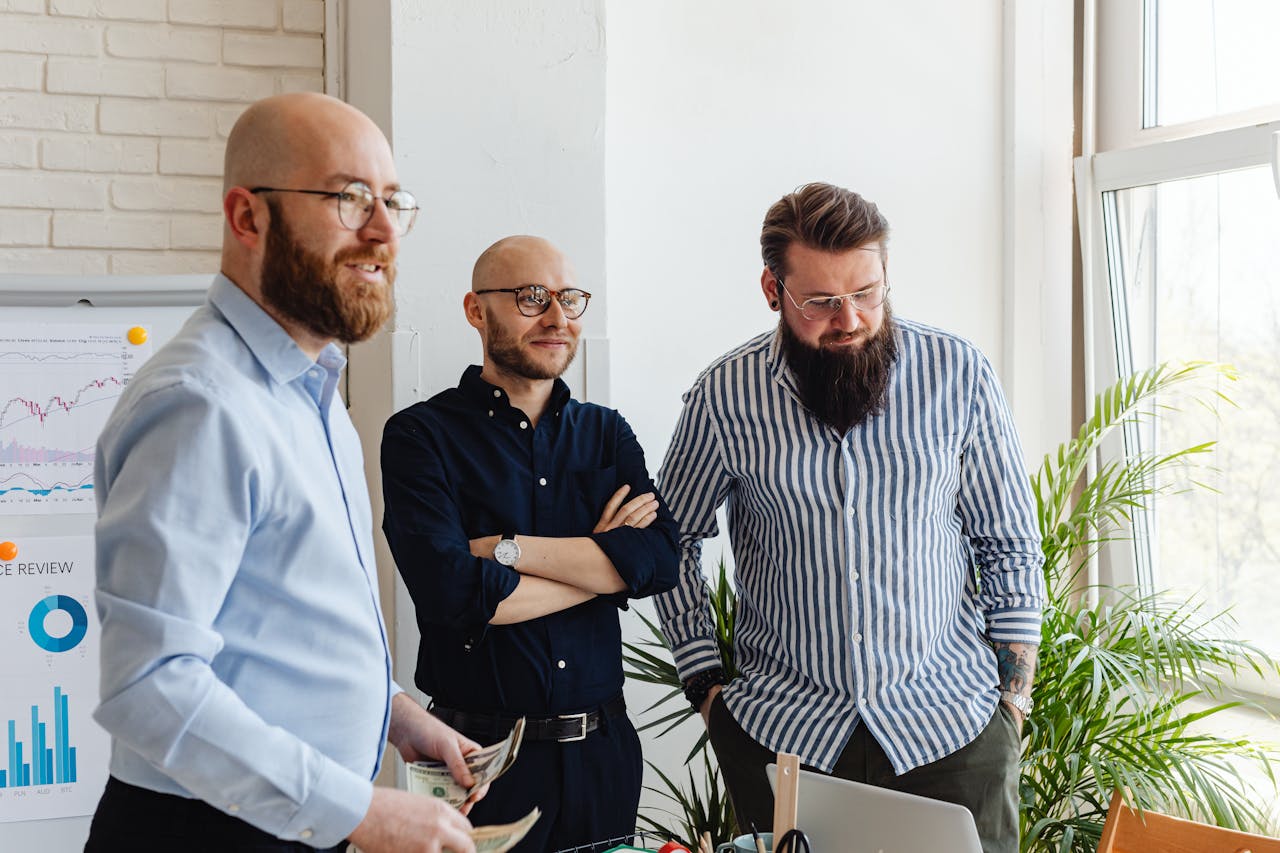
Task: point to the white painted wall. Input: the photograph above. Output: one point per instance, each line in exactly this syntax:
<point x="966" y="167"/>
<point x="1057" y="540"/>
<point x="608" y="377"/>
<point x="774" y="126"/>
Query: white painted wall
<point x="717" y="108"/>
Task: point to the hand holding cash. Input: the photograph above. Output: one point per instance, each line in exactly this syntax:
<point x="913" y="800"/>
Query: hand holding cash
<point x="433" y="777"/>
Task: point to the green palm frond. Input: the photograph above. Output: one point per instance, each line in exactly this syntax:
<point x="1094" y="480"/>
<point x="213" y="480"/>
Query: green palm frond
<point x="1122" y="683"/>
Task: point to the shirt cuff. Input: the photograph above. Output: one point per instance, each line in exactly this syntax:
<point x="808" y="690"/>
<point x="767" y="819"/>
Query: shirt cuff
<point x="339" y="801"/>
<point x="1014" y="625"/>
<point x="627" y="551"/>
<point x="695" y="656"/>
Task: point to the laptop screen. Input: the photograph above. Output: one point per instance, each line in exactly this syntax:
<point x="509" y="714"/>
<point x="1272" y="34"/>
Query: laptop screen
<point x="839" y="816"/>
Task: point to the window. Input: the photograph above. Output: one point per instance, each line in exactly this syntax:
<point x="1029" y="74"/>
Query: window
<point x="1180" y="211"/>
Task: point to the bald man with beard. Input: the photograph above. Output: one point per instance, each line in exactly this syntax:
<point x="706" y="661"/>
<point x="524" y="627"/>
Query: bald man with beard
<point x="521" y="520"/>
<point x="246" y="681"/>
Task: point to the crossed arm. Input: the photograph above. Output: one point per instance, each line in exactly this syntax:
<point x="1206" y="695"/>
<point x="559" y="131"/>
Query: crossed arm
<point x="557" y="573"/>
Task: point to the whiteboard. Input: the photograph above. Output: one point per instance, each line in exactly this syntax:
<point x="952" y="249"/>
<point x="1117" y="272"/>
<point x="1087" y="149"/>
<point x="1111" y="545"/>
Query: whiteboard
<point x="113" y="304"/>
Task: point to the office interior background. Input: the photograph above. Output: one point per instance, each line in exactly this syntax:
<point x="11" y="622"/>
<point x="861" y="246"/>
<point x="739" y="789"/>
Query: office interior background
<point x="1082" y="188"/>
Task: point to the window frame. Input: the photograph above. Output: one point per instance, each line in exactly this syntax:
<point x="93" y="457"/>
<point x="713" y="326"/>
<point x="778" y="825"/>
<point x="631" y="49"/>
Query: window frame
<point x="1118" y="153"/>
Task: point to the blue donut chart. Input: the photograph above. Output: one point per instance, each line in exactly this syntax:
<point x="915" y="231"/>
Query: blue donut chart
<point x="68" y="605"/>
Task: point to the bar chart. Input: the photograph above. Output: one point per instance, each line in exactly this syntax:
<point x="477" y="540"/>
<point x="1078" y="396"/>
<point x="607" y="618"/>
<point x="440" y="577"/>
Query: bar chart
<point x="53" y="755"/>
<point x="50" y="758"/>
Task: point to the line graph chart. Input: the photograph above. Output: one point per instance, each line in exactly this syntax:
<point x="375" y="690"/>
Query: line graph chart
<point x="58" y="384"/>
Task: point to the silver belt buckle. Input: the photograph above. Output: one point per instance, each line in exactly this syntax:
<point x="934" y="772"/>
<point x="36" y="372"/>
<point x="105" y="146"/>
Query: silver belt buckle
<point x="581" y="718"/>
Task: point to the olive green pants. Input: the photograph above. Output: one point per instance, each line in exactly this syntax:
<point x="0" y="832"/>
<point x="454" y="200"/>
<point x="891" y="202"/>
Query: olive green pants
<point x="982" y="776"/>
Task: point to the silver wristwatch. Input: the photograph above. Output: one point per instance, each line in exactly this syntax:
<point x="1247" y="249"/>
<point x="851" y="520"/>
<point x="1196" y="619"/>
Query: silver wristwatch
<point x="1017" y="700"/>
<point x="507" y="551"/>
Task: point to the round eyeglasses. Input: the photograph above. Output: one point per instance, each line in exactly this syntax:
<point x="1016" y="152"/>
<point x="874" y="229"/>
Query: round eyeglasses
<point x="533" y="300"/>
<point x="826" y="307"/>
<point x="356" y="202"/>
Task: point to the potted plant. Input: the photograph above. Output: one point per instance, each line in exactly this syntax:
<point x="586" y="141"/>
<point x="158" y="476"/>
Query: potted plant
<point x="1127" y="677"/>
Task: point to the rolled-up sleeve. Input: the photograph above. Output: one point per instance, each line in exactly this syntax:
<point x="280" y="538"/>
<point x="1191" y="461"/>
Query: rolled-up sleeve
<point x="646" y="559"/>
<point x="424" y="528"/>
<point x="696" y="482"/>
<point x="1000" y="518"/>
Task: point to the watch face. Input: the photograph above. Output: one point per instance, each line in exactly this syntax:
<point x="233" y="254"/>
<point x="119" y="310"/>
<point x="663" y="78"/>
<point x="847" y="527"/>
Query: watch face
<point x="507" y="551"/>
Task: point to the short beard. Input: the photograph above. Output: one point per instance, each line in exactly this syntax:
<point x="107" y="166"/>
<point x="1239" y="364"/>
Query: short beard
<point x="843" y="388"/>
<point x="303" y="287"/>
<point x="505" y="352"/>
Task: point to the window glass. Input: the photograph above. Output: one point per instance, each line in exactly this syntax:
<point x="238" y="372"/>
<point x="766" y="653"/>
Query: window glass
<point x="1200" y="262"/>
<point x="1211" y="57"/>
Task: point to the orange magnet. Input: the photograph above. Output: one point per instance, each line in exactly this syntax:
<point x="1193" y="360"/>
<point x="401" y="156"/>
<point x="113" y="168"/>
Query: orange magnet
<point x="137" y="335"/>
<point x="8" y="551"/>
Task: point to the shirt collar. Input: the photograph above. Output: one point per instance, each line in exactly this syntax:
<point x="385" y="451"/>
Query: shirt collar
<point x="778" y="366"/>
<point x="270" y="344"/>
<point x="486" y="394"/>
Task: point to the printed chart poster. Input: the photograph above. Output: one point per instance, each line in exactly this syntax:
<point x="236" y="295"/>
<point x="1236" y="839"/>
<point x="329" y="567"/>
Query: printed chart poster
<point x="55" y="759"/>
<point x="58" y="384"/>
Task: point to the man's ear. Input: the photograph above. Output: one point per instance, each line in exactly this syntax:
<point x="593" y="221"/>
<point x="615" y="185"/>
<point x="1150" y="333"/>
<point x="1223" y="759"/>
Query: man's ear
<point x="769" y="285"/>
<point x="473" y="310"/>
<point x="246" y="216"/>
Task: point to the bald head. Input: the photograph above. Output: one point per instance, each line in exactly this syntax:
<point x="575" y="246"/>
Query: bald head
<point x="522" y="259"/>
<point x="286" y="135"/>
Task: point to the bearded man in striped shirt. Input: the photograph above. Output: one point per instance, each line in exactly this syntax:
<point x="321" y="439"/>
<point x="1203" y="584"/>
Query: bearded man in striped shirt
<point x="887" y="557"/>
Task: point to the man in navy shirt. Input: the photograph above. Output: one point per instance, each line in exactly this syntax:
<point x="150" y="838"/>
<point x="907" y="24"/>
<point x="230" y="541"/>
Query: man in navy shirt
<point x="521" y="520"/>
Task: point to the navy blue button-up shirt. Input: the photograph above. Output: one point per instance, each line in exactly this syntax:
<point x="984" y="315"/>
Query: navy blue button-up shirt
<point x="466" y="464"/>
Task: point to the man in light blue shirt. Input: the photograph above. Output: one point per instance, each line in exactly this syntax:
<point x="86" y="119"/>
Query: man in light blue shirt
<point x="888" y="563"/>
<point x="246" y="680"/>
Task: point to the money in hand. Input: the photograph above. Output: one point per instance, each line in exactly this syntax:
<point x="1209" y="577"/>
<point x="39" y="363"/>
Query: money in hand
<point x="434" y="779"/>
<point x="498" y="838"/>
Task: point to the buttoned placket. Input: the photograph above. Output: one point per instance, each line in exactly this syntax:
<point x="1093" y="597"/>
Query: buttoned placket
<point x="855" y="555"/>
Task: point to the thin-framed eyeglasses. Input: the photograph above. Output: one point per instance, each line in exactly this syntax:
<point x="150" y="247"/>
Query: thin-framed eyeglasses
<point x="826" y="307"/>
<point x="533" y="300"/>
<point x="356" y="202"/>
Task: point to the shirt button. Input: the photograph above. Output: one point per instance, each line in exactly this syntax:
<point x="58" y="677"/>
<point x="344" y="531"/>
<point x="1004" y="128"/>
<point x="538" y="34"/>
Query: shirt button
<point x="233" y="808"/>
<point x="862" y="700"/>
<point x="542" y="481"/>
<point x="306" y="833"/>
<point x="853" y="576"/>
<point x="524" y="425"/>
<point x="491" y="413"/>
<point x="857" y="638"/>
<point x="851" y="511"/>
<point x="560" y="664"/>
<point x="497" y="393"/>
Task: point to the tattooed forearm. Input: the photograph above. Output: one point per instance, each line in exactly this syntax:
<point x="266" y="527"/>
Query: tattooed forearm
<point x="1016" y="665"/>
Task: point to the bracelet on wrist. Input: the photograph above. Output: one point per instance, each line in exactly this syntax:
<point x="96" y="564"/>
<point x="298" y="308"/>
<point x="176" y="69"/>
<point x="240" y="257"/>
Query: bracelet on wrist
<point x="698" y="685"/>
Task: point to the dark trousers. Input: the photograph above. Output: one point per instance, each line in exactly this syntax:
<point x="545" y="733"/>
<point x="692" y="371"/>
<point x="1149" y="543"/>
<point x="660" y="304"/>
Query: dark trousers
<point x="981" y="776"/>
<point x="588" y="790"/>
<point x="138" y="820"/>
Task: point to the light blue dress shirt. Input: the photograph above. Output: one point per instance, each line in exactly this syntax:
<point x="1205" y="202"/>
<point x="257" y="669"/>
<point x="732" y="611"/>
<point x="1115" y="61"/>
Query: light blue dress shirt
<point x="874" y="569"/>
<point x="244" y="658"/>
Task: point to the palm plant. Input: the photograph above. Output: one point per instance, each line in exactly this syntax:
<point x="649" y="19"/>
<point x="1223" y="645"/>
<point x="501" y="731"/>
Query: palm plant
<point x="1127" y="677"/>
<point x="650" y="660"/>
<point x="702" y="808"/>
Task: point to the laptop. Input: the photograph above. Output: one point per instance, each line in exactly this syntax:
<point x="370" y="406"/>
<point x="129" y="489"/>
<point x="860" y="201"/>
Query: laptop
<point x="839" y="816"/>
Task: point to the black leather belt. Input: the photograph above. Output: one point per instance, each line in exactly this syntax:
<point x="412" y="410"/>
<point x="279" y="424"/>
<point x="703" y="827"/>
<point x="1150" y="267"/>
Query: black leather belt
<point x="564" y="728"/>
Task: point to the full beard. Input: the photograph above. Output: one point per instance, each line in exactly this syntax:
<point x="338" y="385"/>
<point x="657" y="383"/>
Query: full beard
<point x="304" y="288"/>
<point x="843" y="387"/>
<point x="505" y="352"/>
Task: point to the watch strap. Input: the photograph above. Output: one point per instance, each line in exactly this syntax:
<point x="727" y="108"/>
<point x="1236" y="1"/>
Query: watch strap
<point x="1017" y="700"/>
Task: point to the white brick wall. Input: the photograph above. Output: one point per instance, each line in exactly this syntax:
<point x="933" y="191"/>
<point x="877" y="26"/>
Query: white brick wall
<point x="113" y="116"/>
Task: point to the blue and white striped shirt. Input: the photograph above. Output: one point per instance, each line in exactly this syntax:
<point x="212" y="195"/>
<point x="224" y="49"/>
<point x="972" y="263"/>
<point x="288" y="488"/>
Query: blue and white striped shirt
<point x="873" y="569"/>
